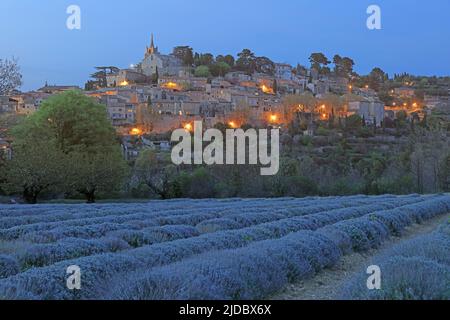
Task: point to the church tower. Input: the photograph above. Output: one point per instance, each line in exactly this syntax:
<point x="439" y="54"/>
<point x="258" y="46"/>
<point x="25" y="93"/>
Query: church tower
<point x="152" y="49"/>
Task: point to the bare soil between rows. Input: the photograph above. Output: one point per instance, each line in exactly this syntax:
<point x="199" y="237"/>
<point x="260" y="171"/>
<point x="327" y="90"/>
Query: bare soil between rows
<point x="326" y="284"/>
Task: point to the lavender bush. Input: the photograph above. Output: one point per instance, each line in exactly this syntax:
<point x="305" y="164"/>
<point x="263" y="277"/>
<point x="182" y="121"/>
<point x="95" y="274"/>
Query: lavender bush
<point x="8" y="266"/>
<point x="418" y="269"/>
<point x="240" y="248"/>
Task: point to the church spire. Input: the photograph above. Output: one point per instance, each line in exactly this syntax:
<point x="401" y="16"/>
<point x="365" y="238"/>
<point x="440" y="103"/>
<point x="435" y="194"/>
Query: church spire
<point x="152" y="44"/>
<point x="152" y="49"/>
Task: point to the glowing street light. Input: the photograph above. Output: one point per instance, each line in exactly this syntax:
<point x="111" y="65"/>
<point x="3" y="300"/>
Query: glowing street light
<point x="266" y="89"/>
<point x="135" y="131"/>
<point x="232" y="124"/>
<point x="188" y="127"/>
<point x="273" y="118"/>
<point x="170" y="85"/>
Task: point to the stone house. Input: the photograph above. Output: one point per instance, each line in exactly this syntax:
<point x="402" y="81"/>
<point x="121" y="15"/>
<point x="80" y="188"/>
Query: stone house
<point x="284" y="71"/>
<point x="7" y="105"/>
<point x="369" y="110"/>
<point x="125" y="77"/>
<point x="237" y="77"/>
<point x="121" y="110"/>
<point x="28" y="103"/>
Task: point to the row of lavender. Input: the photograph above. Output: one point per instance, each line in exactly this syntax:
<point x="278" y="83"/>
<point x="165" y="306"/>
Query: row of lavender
<point x="147" y="217"/>
<point x="14" y="216"/>
<point x="418" y="269"/>
<point x="61" y="240"/>
<point x="262" y="268"/>
<point x="253" y="260"/>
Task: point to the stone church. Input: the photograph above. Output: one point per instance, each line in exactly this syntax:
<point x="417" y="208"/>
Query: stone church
<point x="165" y="65"/>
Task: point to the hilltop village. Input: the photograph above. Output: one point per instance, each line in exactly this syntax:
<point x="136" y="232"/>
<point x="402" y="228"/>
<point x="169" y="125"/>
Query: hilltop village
<point x="168" y="91"/>
<point x="340" y="132"/>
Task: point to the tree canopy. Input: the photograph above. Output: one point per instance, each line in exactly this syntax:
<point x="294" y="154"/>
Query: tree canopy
<point x="202" y="71"/>
<point x="68" y="144"/>
<point x="185" y="54"/>
<point x="318" y="61"/>
<point x="10" y="76"/>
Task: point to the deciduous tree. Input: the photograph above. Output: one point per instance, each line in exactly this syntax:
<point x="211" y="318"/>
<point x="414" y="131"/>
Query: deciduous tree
<point x="156" y="172"/>
<point x="10" y="76"/>
<point x="91" y="173"/>
<point x="78" y="133"/>
<point x="185" y="54"/>
<point x="202" y="71"/>
<point x="219" y="69"/>
<point x="228" y="59"/>
<point x="35" y="168"/>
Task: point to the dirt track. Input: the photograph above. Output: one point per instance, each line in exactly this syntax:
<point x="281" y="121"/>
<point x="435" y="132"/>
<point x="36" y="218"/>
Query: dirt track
<point x="325" y="285"/>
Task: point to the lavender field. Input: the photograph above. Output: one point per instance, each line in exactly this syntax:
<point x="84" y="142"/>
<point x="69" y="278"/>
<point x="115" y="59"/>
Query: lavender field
<point x="194" y="249"/>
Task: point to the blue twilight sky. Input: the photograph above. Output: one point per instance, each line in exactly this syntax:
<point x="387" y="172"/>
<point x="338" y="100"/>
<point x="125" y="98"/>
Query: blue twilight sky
<point x="415" y="35"/>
